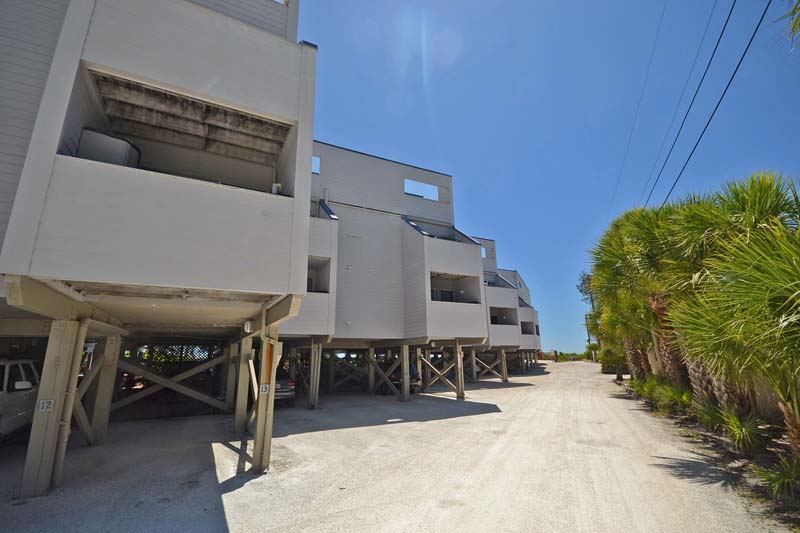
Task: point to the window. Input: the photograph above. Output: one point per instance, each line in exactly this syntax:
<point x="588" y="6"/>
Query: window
<point x="441" y="295"/>
<point x="537" y="330"/>
<point x="14" y="375"/>
<point x="315" y="162"/>
<point x="483" y="252"/>
<point x="526" y="328"/>
<point x="422" y="190"/>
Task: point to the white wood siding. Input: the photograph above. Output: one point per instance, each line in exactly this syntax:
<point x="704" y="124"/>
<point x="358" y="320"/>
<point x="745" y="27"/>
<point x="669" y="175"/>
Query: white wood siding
<point x="314" y="317"/>
<point x="370" y="290"/>
<point x="268" y="15"/>
<point x="501" y="297"/>
<point x="174" y="45"/>
<point x="416" y="281"/>
<point x="358" y="179"/>
<point x="114" y="224"/>
<point x="84" y="110"/>
<point x="29" y="31"/>
<point x="449" y="320"/>
<point x="453" y="257"/>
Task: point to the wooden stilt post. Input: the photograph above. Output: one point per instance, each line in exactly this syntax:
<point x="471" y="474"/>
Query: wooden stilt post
<point x="38" y="473"/>
<point x="243" y="385"/>
<point x="271" y="352"/>
<point x="536" y="357"/>
<point x="69" y="404"/>
<point x="106" y="383"/>
<point x="371" y="369"/>
<point x="316" y="369"/>
<point x="426" y="374"/>
<point x="473" y="366"/>
<point x="406" y="373"/>
<point x="503" y="365"/>
<point x="419" y="365"/>
<point x="293" y="364"/>
<point x="459" y="354"/>
<point x="331" y="370"/>
<point x="230" y="375"/>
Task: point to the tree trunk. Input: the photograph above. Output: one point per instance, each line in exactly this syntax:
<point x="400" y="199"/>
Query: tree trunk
<point x="701" y="380"/>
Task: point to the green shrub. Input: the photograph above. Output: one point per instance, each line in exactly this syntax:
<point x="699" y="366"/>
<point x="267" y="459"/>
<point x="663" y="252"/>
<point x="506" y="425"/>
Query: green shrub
<point x="650" y="387"/>
<point x="744" y="432"/>
<point x="707" y="413"/>
<point x="612" y="362"/>
<point x="671" y="399"/>
<point x="783" y="479"/>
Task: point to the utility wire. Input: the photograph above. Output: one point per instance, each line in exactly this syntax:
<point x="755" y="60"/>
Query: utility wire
<point x="722" y="96"/>
<point x="694" y="97"/>
<point x="638" y="107"/>
<point x="678" y="104"/>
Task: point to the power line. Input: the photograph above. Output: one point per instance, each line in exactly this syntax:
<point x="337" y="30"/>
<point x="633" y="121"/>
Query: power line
<point x="638" y="107"/>
<point x="722" y="96"/>
<point x="680" y="99"/>
<point x="694" y="97"/>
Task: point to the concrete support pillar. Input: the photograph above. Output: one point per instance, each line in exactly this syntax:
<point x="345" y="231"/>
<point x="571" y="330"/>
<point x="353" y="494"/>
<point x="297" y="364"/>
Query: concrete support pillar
<point x="459" y="368"/>
<point x="473" y="365"/>
<point x="406" y="373"/>
<point x="39" y="461"/>
<point x="371" y="370"/>
<point x="230" y="375"/>
<point x="243" y="386"/>
<point x="106" y="383"/>
<point x="315" y="371"/>
<point x="271" y="352"/>
<point x="503" y="365"/>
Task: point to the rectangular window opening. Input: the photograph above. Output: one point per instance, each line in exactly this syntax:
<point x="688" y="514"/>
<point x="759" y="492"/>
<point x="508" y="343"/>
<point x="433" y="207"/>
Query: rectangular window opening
<point x="483" y="252"/>
<point x="315" y="162"/>
<point x="422" y="190"/>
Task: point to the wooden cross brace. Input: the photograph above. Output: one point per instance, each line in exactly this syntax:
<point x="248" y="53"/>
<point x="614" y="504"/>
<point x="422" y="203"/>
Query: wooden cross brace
<point x="488" y="368"/>
<point x="173" y="383"/>
<point x="383" y="377"/>
<point x="440" y="374"/>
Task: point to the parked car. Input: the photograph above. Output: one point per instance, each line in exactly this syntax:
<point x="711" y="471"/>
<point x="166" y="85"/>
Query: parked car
<point x="284" y="387"/>
<point x="19" y="385"/>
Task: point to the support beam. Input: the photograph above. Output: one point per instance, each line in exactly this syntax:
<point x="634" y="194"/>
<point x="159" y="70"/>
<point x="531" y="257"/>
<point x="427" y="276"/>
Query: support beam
<point x="426" y="374"/>
<point x="316" y="369"/>
<point x="38" y="473"/>
<point x="418" y="353"/>
<point x="489" y="368"/>
<point x="503" y="365"/>
<point x="406" y="373"/>
<point x="242" y="385"/>
<point x="473" y="366"/>
<point x="271" y="352"/>
<point x="230" y="375"/>
<point x="293" y="364"/>
<point x="459" y="356"/>
<point x="439" y="374"/>
<point x="331" y="370"/>
<point x="371" y="370"/>
<point x="170" y="383"/>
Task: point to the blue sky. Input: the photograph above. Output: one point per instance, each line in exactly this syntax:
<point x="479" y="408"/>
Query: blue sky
<point x="528" y="104"/>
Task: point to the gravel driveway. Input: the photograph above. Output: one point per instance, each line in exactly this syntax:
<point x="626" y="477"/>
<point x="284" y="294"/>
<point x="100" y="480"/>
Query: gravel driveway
<point x="561" y="450"/>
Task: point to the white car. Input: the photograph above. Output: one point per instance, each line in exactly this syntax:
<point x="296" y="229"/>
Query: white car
<point x="19" y="384"/>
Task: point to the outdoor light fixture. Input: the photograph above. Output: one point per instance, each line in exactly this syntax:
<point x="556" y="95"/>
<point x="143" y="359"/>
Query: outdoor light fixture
<point x="248" y="326"/>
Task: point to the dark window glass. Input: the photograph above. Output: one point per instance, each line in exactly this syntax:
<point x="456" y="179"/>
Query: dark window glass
<point x="31" y="373"/>
<point x="2" y="377"/>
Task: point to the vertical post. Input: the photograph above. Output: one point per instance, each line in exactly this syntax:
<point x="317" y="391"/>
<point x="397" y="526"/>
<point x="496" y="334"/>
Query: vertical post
<point x="316" y="369"/>
<point x="331" y="370"/>
<point x="230" y="375"/>
<point x="419" y="366"/>
<point x="426" y="374"/>
<point x="504" y="365"/>
<point x="271" y="352"/>
<point x="406" y="374"/>
<point x="106" y="383"/>
<point x="243" y="386"/>
<point x="69" y="402"/>
<point x="293" y="364"/>
<point x="459" y="353"/>
<point x="473" y="365"/>
<point x="371" y="369"/>
<point x="38" y="473"/>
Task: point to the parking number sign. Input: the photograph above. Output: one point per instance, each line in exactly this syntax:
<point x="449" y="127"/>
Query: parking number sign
<point x="264" y="388"/>
<point x="46" y="405"/>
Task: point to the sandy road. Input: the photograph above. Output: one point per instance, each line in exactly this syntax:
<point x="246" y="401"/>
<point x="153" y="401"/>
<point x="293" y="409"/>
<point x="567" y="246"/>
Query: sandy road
<point x="556" y="451"/>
